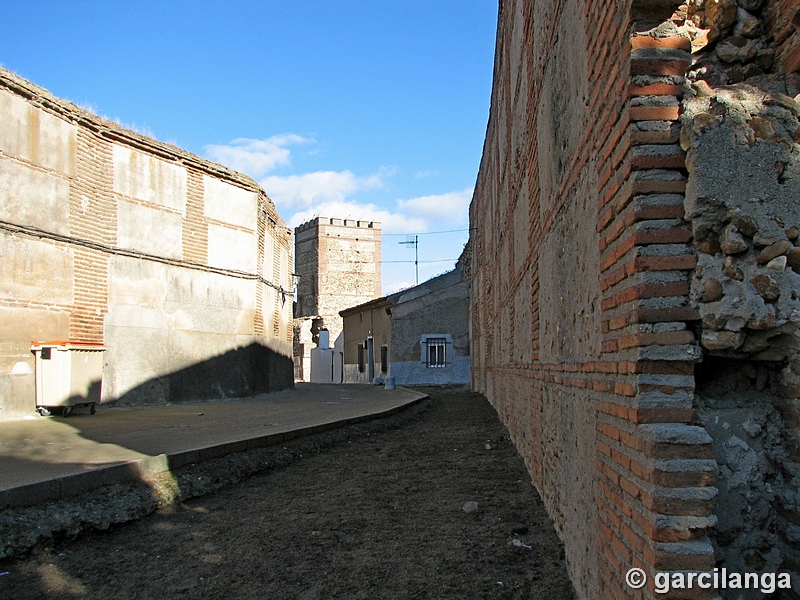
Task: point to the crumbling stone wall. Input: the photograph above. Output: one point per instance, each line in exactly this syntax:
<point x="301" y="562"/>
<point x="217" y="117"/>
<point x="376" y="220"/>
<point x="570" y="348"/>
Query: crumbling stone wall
<point x="739" y="406"/>
<point x="741" y="131"/>
<point x="744" y="219"/>
<point x="737" y="40"/>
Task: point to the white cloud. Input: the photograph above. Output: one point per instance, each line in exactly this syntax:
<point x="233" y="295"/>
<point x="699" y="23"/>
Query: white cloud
<point x="396" y="286"/>
<point x="255" y="157"/>
<point x="301" y="197"/>
<point x="451" y="207"/>
<point x="325" y="194"/>
<point x="390" y="221"/>
<point x="305" y="190"/>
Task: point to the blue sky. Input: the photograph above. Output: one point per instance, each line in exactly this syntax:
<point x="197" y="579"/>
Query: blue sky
<point x="367" y="110"/>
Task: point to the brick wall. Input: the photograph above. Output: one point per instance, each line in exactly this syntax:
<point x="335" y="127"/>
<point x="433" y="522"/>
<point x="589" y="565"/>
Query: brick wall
<point x="581" y="276"/>
<point x="114" y="238"/>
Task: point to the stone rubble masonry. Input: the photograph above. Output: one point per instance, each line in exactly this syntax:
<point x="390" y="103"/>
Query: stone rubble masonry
<point x="739" y="40"/>
<point x="782" y="18"/>
<point x="740" y="127"/>
<point x="580" y="299"/>
<point x="113" y="238"/>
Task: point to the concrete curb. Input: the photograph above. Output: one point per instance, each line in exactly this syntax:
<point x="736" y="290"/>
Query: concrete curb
<point x="148" y="468"/>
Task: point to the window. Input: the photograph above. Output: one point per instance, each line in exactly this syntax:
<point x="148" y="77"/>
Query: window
<point x="384" y="359"/>
<point x="361" y="363"/>
<point x="436" y="352"/>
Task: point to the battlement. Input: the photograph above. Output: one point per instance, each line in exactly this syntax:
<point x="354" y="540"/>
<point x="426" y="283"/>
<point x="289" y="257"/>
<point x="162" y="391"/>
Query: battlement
<point x="326" y="221"/>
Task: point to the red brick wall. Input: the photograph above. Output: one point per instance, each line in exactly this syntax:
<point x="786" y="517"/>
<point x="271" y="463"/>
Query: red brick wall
<point x="580" y="288"/>
<point x="93" y="216"/>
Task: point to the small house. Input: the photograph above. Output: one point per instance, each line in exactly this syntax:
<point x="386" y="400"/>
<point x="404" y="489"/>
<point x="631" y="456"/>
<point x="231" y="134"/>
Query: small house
<point x="417" y="336"/>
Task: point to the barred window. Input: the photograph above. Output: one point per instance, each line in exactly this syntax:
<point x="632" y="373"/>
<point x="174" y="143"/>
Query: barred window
<point x="436" y="352"/>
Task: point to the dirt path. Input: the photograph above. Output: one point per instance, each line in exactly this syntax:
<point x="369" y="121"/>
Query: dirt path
<point x="384" y="513"/>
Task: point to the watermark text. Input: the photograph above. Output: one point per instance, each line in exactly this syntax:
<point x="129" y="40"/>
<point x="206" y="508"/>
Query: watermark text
<point x="718" y="579"/>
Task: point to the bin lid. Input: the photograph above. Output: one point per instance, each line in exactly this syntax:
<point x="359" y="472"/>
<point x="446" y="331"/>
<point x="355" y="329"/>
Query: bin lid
<point x="67" y="345"/>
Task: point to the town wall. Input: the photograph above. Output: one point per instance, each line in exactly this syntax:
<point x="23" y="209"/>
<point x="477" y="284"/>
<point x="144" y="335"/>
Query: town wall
<point x="167" y="260"/>
<point x="578" y="333"/>
<point x="633" y="301"/>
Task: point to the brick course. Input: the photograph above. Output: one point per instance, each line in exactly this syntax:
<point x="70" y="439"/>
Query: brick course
<point x="623" y="395"/>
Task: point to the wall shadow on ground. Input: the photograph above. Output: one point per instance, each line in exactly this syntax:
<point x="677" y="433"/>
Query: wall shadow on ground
<point x="238" y="373"/>
<point x="242" y="373"/>
<point x="127" y="489"/>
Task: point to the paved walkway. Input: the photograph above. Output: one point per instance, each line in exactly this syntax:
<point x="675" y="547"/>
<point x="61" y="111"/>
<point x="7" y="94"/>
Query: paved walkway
<point x="46" y="458"/>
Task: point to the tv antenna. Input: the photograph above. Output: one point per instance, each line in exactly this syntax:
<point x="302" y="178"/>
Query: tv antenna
<point x="413" y="240"/>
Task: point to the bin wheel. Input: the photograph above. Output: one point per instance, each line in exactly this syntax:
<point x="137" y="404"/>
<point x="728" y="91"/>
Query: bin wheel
<point x="44" y="411"/>
<point x="92" y="409"/>
<point x="66" y="411"/>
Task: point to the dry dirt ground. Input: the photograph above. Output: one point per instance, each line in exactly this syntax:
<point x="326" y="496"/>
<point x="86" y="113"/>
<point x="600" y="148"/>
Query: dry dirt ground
<point x="379" y="511"/>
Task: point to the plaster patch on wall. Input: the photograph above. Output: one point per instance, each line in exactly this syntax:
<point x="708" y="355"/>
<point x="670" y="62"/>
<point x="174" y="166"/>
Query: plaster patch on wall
<point x="231" y="249"/>
<point x="36" y="136"/>
<point x="162" y="318"/>
<point x="230" y="204"/>
<point x="30" y="268"/>
<point x="157" y="296"/>
<point x="33" y="198"/>
<point x="148" y="178"/>
<point x="15" y="342"/>
<point x="149" y="230"/>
